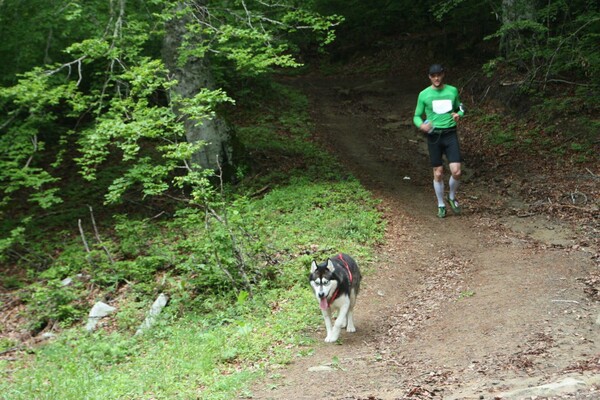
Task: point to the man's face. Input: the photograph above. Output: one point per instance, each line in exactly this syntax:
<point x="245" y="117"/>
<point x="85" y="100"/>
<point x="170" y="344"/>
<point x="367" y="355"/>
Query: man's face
<point x="436" y="79"/>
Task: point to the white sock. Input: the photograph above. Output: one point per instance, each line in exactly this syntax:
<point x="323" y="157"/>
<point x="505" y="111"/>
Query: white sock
<point x="439" y="192"/>
<point x="454" y="183"/>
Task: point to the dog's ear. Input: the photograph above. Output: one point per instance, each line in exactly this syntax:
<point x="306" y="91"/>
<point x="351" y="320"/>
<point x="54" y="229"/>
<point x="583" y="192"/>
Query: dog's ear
<point x="330" y="265"/>
<point x="313" y="266"/>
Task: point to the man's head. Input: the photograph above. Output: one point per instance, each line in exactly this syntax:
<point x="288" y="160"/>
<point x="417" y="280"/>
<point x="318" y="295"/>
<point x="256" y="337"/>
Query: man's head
<point x="436" y="75"/>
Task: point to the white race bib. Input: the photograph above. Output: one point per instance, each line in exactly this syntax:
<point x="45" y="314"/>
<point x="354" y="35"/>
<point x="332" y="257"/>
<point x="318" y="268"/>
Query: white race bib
<point x="441" y="106"/>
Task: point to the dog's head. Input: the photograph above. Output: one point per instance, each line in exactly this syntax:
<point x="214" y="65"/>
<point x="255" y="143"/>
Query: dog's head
<point x="323" y="281"/>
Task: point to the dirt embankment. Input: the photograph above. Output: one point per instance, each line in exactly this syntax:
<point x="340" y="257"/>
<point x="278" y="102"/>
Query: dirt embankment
<point x="468" y="307"/>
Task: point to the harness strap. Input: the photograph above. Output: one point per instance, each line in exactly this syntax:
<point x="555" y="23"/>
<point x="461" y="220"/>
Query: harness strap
<point x="337" y="289"/>
<point x="347" y="266"/>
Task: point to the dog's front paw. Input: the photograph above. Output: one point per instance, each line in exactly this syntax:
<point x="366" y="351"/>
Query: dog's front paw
<point x="331" y="339"/>
<point x="350" y="328"/>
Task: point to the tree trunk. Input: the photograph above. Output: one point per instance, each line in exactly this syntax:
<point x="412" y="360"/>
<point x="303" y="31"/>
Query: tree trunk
<point x="513" y="11"/>
<point x="194" y="75"/>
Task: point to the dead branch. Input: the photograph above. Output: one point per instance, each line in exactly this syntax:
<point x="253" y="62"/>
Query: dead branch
<point x="556" y="51"/>
<point x="235" y="246"/>
<point x="218" y="258"/>
<point x="11" y="350"/>
<point x="112" y="261"/>
<point x="513" y="83"/>
<point x="565" y="301"/>
<point x="34" y="142"/>
<point x="7" y="122"/>
<point x="485" y="94"/>
<point x="85" y="243"/>
<point x="158" y="215"/>
<point x="68" y="66"/>
<point x="260" y="192"/>
<point x="583" y="209"/>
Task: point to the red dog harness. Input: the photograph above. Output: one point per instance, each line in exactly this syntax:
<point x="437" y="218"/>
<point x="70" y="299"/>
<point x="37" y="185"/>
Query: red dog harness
<point x="335" y="294"/>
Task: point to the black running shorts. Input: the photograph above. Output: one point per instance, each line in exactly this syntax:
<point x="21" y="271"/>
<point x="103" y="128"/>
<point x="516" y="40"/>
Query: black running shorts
<point x="442" y="142"/>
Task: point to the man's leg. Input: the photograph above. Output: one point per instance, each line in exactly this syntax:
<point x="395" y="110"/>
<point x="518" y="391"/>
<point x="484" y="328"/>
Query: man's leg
<point x="438" y="184"/>
<point x="454" y="159"/>
<point x="453" y="184"/>
<point x="435" y="157"/>
<point x="454" y="179"/>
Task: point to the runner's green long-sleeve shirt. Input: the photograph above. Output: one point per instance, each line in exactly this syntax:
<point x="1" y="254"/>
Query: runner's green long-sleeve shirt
<point x="438" y="106"/>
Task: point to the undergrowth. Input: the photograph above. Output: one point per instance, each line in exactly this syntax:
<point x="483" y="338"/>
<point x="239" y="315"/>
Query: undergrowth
<point x="556" y="130"/>
<point x="235" y="274"/>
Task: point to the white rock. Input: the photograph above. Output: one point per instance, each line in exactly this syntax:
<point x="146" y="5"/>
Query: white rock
<point x="157" y="306"/>
<point x="99" y="310"/>
<point x="567" y="385"/>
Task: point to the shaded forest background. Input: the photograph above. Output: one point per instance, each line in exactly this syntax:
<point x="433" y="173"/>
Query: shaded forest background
<point x="92" y="115"/>
<point x="139" y="138"/>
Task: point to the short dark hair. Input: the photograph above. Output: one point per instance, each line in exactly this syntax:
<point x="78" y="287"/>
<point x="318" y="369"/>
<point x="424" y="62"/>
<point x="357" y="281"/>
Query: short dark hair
<point x="435" y="69"/>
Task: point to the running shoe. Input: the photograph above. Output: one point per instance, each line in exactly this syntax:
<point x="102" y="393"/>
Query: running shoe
<point x="441" y="212"/>
<point x="453" y="205"/>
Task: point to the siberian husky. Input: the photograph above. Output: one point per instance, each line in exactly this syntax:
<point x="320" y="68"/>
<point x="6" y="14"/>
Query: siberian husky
<point x="336" y="283"/>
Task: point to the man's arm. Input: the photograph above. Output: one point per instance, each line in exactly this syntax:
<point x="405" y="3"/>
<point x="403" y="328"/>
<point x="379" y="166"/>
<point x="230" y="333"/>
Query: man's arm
<point x="419" y="110"/>
<point x="458" y="109"/>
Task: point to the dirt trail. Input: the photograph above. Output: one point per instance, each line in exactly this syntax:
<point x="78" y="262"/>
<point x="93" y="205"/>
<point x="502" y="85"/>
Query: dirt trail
<point x="468" y="307"/>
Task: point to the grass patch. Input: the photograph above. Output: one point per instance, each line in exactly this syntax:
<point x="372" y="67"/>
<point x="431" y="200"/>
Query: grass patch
<point x="213" y="356"/>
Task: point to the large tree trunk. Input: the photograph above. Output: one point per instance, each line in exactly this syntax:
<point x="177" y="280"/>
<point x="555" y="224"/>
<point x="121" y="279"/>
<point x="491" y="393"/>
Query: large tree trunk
<point x="513" y="11"/>
<point x="191" y="77"/>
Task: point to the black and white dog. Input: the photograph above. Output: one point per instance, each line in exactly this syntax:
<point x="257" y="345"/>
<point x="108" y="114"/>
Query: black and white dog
<point x="336" y="283"/>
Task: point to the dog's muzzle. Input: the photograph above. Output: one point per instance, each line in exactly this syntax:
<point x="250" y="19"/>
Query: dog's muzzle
<point x="323" y="303"/>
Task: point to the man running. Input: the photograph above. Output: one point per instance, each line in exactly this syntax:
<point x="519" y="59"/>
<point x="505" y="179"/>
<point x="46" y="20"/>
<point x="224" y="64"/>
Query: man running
<point x="442" y="109"/>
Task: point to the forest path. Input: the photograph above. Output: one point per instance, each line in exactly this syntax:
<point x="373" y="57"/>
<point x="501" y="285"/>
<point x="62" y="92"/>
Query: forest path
<point x="467" y="307"/>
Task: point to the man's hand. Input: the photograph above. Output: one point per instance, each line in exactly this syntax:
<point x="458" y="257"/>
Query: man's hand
<point x="426" y="127"/>
<point x="455" y="117"/>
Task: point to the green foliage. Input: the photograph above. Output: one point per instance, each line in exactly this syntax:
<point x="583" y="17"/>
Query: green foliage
<point x="235" y="272"/>
<point x="10" y="282"/>
<point x="554" y="128"/>
<point x="465" y="294"/>
<point x="103" y="108"/>
<point x="442" y="8"/>
<point x="71" y="261"/>
<point x="551" y="51"/>
<point x="135" y="237"/>
<point x="234" y="334"/>
<point x="140" y="270"/>
<point x="552" y="42"/>
<point x="100" y="350"/>
<point x="325" y="212"/>
<point x="104" y="97"/>
<point x="173" y="361"/>
<point x="224" y="246"/>
<point x="240" y="41"/>
<point x="6" y="344"/>
<point x="365" y="22"/>
<point x="523" y="33"/>
<point x="52" y="302"/>
<point x="573" y="104"/>
<point x="16" y="236"/>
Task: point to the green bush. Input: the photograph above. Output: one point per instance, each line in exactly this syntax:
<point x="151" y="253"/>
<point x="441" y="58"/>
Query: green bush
<point x="52" y="302"/>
